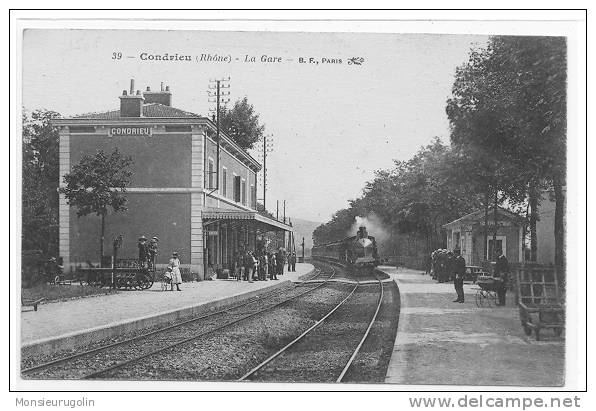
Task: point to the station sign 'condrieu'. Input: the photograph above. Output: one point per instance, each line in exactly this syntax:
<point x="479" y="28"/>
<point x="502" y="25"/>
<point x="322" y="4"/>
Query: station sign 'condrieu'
<point x="130" y="131"/>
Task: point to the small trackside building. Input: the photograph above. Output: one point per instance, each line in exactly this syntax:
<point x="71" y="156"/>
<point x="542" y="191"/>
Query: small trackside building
<point x="467" y="235"/>
<point x="174" y="192"/>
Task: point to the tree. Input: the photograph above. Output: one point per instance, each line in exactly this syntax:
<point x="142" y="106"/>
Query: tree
<point x="413" y="200"/>
<point x="40" y="182"/>
<point x="242" y="124"/>
<point x="509" y="102"/>
<point x="96" y="184"/>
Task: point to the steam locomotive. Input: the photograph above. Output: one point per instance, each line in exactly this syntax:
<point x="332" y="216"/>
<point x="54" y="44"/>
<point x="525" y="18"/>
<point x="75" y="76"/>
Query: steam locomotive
<point x="357" y="252"/>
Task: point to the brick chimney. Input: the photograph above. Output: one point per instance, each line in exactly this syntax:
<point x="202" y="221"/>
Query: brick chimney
<point x="131" y="104"/>
<point x="162" y="97"/>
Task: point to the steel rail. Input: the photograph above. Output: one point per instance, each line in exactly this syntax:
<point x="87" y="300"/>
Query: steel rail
<point x="295" y="340"/>
<point x="372" y="321"/>
<point x="196" y="336"/>
<point x="154" y="332"/>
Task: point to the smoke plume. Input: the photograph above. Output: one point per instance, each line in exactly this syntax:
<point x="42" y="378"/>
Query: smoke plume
<point x="373" y="225"/>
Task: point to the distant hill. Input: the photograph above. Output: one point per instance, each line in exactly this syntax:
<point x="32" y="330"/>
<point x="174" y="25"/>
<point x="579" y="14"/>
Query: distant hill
<point x="304" y="228"/>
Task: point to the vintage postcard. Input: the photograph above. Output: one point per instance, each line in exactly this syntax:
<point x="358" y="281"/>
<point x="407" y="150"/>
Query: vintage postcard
<point x="264" y="205"/>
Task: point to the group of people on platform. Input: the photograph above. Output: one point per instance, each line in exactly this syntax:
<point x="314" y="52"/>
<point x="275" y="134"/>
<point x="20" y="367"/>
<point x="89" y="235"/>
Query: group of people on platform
<point x="148" y="250"/>
<point x="262" y="265"/>
<point x="447" y="265"/>
<point x="248" y="265"/>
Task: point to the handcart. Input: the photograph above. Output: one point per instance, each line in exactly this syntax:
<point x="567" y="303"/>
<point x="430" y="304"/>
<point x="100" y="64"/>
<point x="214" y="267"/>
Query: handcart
<point x="486" y="293"/>
<point x="122" y="278"/>
<point x="539" y="300"/>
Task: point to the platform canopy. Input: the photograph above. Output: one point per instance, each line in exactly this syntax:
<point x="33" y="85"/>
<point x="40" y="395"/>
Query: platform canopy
<point x="242" y="217"/>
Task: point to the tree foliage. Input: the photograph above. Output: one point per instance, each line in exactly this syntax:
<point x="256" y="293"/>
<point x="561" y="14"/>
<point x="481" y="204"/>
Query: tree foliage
<point x="415" y="198"/>
<point x="40" y="182"/>
<point x="98" y="183"/>
<point x="508" y="117"/>
<point x="242" y="123"/>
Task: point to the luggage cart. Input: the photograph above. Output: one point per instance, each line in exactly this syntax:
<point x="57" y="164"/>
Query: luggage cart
<point x="539" y="301"/>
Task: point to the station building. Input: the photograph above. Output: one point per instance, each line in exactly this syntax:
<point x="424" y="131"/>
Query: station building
<point x="174" y="192"/>
<point x="467" y="235"/>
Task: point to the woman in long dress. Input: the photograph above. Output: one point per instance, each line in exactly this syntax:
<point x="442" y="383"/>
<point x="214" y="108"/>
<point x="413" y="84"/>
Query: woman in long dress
<point x="176" y="276"/>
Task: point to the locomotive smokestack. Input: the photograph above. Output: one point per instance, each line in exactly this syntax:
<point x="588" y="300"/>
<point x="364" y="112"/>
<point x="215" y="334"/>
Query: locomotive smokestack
<point x="362" y="233"/>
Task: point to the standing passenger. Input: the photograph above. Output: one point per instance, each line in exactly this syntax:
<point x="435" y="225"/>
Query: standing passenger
<point x="272" y="267"/>
<point x="259" y="272"/>
<point x="289" y="262"/>
<point x="152" y="251"/>
<point x="249" y="264"/>
<point x="143" y="251"/>
<point x="264" y="266"/>
<point x="255" y="267"/>
<point x="459" y="270"/>
<point x="280" y="261"/>
<point x="502" y="271"/>
<point x="239" y="269"/>
<point x="449" y="267"/>
<point x="176" y="275"/>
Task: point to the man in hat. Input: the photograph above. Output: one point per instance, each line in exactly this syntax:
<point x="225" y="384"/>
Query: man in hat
<point x="281" y="260"/>
<point x="459" y="270"/>
<point x="152" y="249"/>
<point x="502" y="272"/>
<point x="272" y="266"/>
<point x="143" y="251"/>
<point x="292" y="262"/>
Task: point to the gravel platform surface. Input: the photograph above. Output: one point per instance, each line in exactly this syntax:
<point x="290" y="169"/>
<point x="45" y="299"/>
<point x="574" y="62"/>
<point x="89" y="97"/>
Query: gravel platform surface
<point x="441" y="342"/>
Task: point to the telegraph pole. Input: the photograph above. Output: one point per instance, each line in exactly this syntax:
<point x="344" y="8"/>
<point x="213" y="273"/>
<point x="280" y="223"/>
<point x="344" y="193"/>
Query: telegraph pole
<point x="215" y="96"/>
<point x="267" y="148"/>
<point x="302" y="249"/>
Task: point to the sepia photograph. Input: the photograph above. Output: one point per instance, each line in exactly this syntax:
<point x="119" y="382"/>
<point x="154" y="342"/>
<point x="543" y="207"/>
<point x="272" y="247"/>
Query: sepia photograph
<point x="386" y="206"/>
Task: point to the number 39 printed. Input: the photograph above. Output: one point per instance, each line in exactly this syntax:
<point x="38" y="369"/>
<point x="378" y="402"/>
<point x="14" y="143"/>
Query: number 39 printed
<point x="116" y="55"/>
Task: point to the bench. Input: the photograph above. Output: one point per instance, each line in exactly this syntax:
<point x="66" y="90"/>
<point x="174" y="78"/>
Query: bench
<point x="27" y="302"/>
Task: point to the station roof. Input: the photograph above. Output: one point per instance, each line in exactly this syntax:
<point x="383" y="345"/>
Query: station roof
<point x="150" y="110"/>
<point x="479" y="215"/>
<point x="156" y="113"/>
<point x="261" y="222"/>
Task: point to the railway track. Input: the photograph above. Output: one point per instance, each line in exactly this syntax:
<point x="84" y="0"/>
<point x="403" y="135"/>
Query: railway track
<point x="107" y="358"/>
<point x="266" y="370"/>
<point x="234" y="338"/>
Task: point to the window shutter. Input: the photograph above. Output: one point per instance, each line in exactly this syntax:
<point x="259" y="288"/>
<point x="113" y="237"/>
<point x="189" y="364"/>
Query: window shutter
<point x="237" y="189"/>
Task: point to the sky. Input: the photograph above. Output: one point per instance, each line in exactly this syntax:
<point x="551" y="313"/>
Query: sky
<point x="332" y="125"/>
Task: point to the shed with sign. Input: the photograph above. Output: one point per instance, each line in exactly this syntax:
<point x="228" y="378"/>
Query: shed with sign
<point x="466" y="234"/>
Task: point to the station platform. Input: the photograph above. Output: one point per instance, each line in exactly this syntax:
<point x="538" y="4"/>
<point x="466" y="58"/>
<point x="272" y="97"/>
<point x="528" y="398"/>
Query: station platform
<point x="64" y="324"/>
<point x="440" y="342"/>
